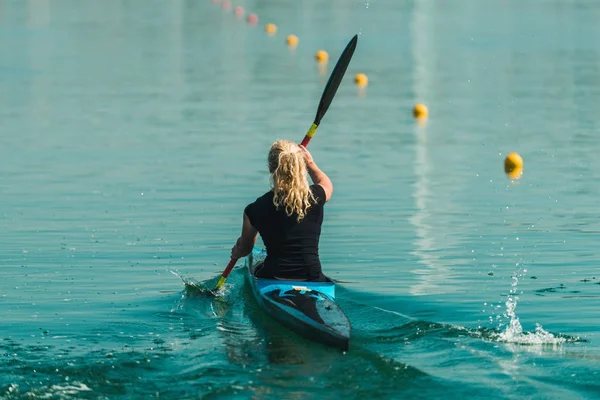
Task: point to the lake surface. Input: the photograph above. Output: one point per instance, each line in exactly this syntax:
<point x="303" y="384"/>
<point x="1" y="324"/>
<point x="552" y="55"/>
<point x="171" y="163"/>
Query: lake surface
<point x="133" y="134"/>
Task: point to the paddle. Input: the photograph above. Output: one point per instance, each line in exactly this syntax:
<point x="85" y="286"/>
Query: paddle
<point x="331" y="88"/>
<point x="328" y="93"/>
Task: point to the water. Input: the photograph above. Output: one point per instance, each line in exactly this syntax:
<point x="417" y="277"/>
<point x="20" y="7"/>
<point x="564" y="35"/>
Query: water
<point x="134" y="133"/>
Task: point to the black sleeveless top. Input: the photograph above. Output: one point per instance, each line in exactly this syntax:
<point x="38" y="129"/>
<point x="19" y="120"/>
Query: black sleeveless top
<point x="292" y="247"/>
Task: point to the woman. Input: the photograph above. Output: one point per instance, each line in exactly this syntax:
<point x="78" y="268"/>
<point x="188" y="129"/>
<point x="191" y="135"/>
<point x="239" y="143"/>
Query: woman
<point x="288" y="217"/>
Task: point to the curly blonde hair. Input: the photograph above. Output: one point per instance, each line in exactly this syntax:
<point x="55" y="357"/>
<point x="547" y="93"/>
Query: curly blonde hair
<point x="288" y="177"/>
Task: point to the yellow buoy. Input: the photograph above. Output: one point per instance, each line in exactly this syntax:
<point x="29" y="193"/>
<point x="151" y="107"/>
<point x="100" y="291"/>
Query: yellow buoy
<point x="271" y="29"/>
<point x="361" y="80"/>
<point x="513" y="165"/>
<point x="321" y="56"/>
<point x="291" y="40"/>
<point x="420" y="111"/>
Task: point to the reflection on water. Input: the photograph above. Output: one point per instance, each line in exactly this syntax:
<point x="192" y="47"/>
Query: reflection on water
<point x="433" y="278"/>
<point x="38" y="13"/>
<point x="248" y="335"/>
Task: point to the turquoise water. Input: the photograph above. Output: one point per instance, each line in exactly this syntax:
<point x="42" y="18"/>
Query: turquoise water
<point x="134" y="133"/>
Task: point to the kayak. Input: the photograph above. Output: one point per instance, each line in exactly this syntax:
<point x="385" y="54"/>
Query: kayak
<point x="306" y="308"/>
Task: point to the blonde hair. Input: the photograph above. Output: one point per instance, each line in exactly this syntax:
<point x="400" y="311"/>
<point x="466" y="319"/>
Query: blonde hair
<point x="288" y="177"/>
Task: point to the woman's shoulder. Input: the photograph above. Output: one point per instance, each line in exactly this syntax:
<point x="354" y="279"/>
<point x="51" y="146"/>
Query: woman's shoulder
<point x="259" y="204"/>
<point x="319" y="192"/>
<point x="264" y="198"/>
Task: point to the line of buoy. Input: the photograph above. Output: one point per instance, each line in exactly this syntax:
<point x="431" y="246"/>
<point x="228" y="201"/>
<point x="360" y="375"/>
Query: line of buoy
<point x="361" y="80"/>
<point x="321" y="56"/>
<point x="513" y="163"/>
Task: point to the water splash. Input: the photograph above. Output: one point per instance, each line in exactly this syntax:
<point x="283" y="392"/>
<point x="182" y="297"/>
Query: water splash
<point x="514" y="330"/>
<point x="198" y="297"/>
<point x="194" y="287"/>
<point x="64" y="391"/>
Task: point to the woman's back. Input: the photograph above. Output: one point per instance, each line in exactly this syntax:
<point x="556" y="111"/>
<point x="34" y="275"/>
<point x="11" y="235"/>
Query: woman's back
<point x="292" y="246"/>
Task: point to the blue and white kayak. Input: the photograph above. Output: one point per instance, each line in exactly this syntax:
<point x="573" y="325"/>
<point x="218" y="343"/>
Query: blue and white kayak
<point x="307" y="308"/>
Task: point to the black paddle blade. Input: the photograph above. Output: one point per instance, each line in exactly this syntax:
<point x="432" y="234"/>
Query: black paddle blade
<point x="335" y="79"/>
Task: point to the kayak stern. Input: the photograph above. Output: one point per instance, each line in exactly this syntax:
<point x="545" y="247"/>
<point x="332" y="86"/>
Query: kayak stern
<point x="307" y="308"/>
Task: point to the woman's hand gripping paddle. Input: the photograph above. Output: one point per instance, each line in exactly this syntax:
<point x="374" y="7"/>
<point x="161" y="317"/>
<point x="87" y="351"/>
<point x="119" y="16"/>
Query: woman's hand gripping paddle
<point x="328" y="94"/>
